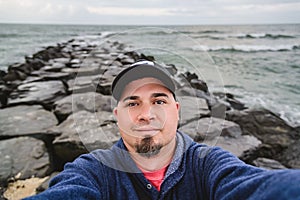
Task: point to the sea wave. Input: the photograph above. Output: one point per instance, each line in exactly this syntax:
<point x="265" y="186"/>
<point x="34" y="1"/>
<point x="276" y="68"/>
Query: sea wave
<point x="167" y="31"/>
<point x="288" y="112"/>
<point x="9" y="35"/>
<point x="263" y="35"/>
<point x="246" y="36"/>
<point x="246" y="48"/>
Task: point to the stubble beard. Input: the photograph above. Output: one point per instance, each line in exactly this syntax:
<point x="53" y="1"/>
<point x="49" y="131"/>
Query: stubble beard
<point x="147" y="148"/>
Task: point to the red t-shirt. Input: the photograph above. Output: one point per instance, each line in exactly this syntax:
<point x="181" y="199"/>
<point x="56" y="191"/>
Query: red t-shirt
<point x="156" y="177"/>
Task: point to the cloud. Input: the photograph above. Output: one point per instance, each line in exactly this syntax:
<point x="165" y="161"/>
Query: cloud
<point x="150" y="11"/>
<point x="128" y="11"/>
<point x="278" y="7"/>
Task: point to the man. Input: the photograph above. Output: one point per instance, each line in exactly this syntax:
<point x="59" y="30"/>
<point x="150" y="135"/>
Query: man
<point x="153" y="160"/>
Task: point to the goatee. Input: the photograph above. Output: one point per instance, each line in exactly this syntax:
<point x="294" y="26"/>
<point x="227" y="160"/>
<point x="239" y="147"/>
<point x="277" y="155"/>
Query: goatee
<point x="147" y="148"/>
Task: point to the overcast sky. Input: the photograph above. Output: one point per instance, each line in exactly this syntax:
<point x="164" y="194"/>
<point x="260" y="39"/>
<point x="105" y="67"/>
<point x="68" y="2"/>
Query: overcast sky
<point x="148" y="12"/>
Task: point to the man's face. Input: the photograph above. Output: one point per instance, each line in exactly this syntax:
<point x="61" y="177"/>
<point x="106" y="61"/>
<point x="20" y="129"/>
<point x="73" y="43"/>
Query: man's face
<point x="147" y="116"/>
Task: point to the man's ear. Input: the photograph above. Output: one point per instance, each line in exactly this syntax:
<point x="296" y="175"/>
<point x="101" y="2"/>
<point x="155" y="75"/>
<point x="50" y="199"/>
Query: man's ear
<point x="177" y="105"/>
<point x="178" y="109"/>
<point x="115" y="111"/>
<point x="179" y="113"/>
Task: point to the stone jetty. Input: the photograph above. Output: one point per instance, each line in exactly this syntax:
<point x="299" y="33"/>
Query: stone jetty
<point x="57" y="105"/>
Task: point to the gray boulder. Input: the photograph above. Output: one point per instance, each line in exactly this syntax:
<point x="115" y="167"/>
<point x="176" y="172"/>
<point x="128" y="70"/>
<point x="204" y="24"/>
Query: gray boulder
<point x="210" y="128"/>
<point x="89" y="101"/>
<point x="268" y="163"/>
<point x="26" y="120"/>
<point x="84" y="131"/>
<point x="236" y="146"/>
<point x="264" y="125"/>
<point x="47" y="75"/>
<point x="219" y="132"/>
<point x="38" y="93"/>
<point x="23" y="158"/>
<point x="192" y="108"/>
<point x="83" y="84"/>
<point x="83" y="70"/>
<point x="291" y="155"/>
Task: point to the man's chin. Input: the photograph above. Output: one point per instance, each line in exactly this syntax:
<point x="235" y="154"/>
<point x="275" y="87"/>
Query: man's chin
<point x="150" y="154"/>
<point x="147" y="148"/>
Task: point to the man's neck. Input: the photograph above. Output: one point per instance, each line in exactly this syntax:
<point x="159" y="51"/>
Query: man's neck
<point x="157" y="162"/>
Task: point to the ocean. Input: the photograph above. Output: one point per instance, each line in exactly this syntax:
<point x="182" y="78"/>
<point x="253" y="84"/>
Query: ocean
<point x="259" y="64"/>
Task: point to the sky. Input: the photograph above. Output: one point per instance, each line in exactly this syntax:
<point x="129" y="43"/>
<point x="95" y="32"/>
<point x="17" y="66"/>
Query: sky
<point x="150" y="12"/>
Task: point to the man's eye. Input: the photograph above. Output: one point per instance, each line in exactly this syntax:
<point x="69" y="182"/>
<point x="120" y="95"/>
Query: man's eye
<point x="160" y="102"/>
<point x="132" y="104"/>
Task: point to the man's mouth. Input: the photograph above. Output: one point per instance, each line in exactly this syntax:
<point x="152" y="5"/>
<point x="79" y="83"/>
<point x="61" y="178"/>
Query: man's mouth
<point x="150" y="131"/>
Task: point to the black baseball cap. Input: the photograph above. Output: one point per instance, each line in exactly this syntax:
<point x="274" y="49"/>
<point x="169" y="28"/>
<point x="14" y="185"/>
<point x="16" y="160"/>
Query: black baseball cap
<point x="138" y="70"/>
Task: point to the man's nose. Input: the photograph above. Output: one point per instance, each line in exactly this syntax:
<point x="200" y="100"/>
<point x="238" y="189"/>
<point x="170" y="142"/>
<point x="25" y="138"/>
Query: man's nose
<point x="146" y="113"/>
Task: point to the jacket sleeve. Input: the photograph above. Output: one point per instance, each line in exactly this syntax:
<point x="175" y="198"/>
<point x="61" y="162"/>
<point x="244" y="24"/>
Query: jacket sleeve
<point x="79" y="180"/>
<point x="227" y="177"/>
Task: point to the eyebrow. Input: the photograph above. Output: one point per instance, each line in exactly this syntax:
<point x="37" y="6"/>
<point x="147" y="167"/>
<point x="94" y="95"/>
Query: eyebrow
<point x="159" y="95"/>
<point x="130" y="98"/>
<point x="154" y="95"/>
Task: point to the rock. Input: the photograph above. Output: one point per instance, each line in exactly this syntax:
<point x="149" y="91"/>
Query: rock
<point x="210" y="128"/>
<point x="21" y="67"/>
<point x="268" y="163"/>
<point x="218" y="110"/>
<point x="35" y="64"/>
<point x="13" y="76"/>
<point x="84" y="131"/>
<point x="50" y="52"/>
<point x="83" y="84"/>
<point x="2" y="74"/>
<point x="236" y="146"/>
<point x="236" y="104"/>
<point x="23" y="158"/>
<point x="264" y="125"/>
<point x="75" y="61"/>
<point x="229" y="98"/>
<point x="89" y="101"/>
<point x="199" y="85"/>
<point x="171" y="69"/>
<point x="83" y="70"/>
<point x="192" y="108"/>
<point x="189" y="76"/>
<point x="127" y="60"/>
<point x="55" y="67"/>
<point x="38" y="93"/>
<point x="25" y="120"/>
<point x="63" y="61"/>
<point x="112" y="70"/>
<point x="47" y="75"/>
<point x="187" y="90"/>
<point x="144" y="57"/>
<point x="291" y="155"/>
<point x="4" y="94"/>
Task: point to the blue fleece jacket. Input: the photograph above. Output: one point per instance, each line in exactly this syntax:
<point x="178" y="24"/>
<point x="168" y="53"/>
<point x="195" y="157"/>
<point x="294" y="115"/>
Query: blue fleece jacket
<point x="196" y="172"/>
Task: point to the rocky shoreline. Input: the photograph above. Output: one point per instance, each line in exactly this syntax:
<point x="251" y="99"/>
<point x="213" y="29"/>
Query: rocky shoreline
<point x="57" y="105"/>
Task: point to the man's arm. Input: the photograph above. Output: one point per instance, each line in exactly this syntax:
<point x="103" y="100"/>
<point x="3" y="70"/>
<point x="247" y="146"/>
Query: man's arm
<point x="78" y="180"/>
<point x="227" y="177"/>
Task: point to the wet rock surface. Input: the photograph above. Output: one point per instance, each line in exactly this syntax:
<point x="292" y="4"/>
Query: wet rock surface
<point x="22" y="158"/>
<point x="57" y="105"/>
<point x="24" y="120"/>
